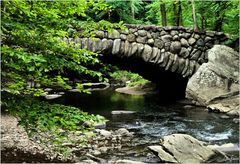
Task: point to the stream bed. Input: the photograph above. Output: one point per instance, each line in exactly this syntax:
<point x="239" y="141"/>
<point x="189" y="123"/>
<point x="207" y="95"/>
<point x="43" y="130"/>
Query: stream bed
<point x="153" y="120"/>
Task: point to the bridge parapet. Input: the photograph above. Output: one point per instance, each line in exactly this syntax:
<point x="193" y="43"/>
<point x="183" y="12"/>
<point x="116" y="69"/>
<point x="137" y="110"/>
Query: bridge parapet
<point x="177" y="49"/>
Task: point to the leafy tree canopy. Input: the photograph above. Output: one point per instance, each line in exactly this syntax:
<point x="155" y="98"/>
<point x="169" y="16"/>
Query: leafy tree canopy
<point x="33" y="49"/>
<point x="213" y="15"/>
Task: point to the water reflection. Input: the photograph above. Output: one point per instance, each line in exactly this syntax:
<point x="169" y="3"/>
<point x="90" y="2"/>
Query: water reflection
<point x="154" y="119"/>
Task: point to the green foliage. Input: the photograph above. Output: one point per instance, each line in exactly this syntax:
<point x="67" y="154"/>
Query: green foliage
<point x="127" y="10"/>
<point x="132" y="79"/>
<point x="153" y="13"/>
<point x="52" y="124"/>
<point x="33" y="47"/>
<point x="208" y="13"/>
<point x="35" y="114"/>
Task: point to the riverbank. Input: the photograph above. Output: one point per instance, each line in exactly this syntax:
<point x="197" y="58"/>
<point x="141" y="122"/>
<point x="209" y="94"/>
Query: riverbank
<point x="148" y="89"/>
<point x="17" y="146"/>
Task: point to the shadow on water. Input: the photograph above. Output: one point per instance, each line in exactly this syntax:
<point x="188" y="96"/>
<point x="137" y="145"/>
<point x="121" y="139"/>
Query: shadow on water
<point x="153" y="120"/>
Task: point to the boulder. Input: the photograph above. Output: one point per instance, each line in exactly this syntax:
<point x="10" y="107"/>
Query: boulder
<point x="216" y="82"/>
<point x="229" y="147"/>
<point x="183" y="148"/>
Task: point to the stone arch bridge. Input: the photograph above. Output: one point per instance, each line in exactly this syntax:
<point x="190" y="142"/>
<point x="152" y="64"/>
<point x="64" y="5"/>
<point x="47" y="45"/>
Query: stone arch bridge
<point x="169" y="54"/>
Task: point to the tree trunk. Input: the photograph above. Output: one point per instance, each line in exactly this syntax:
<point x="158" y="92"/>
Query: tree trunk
<point x="202" y="23"/>
<point x="177" y="12"/>
<point x="194" y="16"/>
<point x="132" y="9"/>
<point x="163" y="13"/>
<point x="220" y="16"/>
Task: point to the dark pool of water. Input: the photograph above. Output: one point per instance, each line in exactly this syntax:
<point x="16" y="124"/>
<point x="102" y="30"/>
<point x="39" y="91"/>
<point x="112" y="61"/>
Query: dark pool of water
<point x="153" y="120"/>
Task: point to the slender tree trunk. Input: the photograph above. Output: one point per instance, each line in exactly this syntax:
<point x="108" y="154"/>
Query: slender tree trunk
<point x="202" y="23"/>
<point x="177" y="12"/>
<point x="132" y="9"/>
<point x="194" y="16"/>
<point x="220" y="16"/>
<point x="163" y="13"/>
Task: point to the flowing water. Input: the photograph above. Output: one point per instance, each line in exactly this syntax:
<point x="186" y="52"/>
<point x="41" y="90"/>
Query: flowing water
<point x="153" y="120"/>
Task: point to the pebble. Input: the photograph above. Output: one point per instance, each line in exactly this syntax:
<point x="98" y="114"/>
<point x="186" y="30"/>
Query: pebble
<point x="52" y="96"/>
<point x="236" y="120"/>
<point x="96" y="152"/>
<point x="224" y="116"/>
<point x="103" y="149"/>
<point x="188" y="106"/>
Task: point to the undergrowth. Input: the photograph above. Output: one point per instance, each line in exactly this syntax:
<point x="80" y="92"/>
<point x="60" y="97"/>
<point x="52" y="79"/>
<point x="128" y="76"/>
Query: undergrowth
<point x="52" y="123"/>
<point x="131" y="79"/>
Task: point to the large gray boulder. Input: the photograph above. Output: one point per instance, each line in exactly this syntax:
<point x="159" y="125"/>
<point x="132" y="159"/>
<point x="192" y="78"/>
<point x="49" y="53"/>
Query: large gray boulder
<point x="183" y="148"/>
<point x="216" y="82"/>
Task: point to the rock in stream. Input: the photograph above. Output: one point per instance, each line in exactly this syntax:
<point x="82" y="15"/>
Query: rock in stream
<point x="183" y="148"/>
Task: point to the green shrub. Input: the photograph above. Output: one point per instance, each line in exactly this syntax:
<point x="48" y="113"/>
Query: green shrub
<point x="35" y="114"/>
<point x="132" y="79"/>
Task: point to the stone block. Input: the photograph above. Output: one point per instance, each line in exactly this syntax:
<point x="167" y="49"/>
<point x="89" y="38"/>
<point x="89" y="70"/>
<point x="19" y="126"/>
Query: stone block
<point x="123" y="36"/>
<point x="166" y="38"/>
<point x="165" y="56"/>
<point x="170" y="61"/>
<point x="140" y="49"/>
<point x="155" y="53"/>
<point x="142" y="32"/>
<point x="134" y="48"/>
<point x="150" y="41"/>
<point x="200" y="42"/>
<point x="158" y="43"/>
<point x="181" y="65"/>
<point x="196" y="55"/>
<point x="114" y="34"/>
<point x="100" y="34"/>
<point x="186" y="65"/>
<point x="175" y="64"/>
<point x="131" y="38"/>
<point x="184" y="42"/>
<point x="106" y="45"/>
<point x="174" y="32"/>
<point x="191" y="41"/>
<point x="116" y="46"/>
<point x="84" y="43"/>
<point x="147" y="52"/>
<point x="175" y="47"/>
<point x="141" y="39"/>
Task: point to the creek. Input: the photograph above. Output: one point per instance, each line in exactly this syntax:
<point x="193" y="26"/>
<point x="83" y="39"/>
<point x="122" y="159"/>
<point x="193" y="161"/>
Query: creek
<point x="153" y="120"/>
